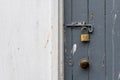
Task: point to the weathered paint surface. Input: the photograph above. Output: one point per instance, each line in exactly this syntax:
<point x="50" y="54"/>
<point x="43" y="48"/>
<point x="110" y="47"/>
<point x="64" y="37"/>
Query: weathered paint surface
<point x="103" y="50"/>
<point x="25" y="40"/>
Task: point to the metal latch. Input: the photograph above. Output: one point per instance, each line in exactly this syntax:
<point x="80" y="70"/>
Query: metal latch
<point x="80" y="25"/>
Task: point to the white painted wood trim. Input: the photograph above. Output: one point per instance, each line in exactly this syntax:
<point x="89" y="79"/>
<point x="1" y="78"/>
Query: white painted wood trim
<point x="57" y="40"/>
<point x="61" y="40"/>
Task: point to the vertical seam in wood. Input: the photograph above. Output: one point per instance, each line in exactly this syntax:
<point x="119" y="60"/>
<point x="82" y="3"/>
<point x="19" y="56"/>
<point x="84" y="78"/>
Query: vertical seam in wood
<point x="105" y="35"/>
<point x="71" y="10"/>
<point x="88" y="13"/>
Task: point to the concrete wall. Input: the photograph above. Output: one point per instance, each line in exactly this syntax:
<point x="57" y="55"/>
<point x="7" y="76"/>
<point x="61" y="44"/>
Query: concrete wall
<point x="25" y="40"/>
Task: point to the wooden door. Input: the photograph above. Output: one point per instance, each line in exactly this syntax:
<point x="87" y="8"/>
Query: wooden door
<point x="103" y="50"/>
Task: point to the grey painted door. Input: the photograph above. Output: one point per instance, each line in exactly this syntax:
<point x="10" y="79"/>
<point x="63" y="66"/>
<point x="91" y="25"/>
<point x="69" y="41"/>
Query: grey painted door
<point x="103" y="50"/>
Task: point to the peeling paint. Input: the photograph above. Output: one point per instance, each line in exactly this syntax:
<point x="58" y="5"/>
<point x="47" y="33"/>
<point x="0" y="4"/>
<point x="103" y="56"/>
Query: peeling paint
<point x="103" y="63"/>
<point x="115" y="17"/>
<point x="65" y="50"/>
<point x="74" y="48"/>
<point x="119" y="76"/>
<point x="91" y="17"/>
<point x="48" y="39"/>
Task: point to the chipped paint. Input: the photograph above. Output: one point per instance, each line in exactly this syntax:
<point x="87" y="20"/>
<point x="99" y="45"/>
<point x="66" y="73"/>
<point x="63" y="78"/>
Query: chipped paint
<point x="103" y="63"/>
<point x="48" y="39"/>
<point x="91" y="17"/>
<point x="115" y="16"/>
<point x="65" y="50"/>
<point x="74" y="48"/>
<point x="119" y="76"/>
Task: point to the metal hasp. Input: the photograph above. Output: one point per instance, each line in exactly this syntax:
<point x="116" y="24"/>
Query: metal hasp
<point x="80" y="25"/>
<point x="86" y="30"/>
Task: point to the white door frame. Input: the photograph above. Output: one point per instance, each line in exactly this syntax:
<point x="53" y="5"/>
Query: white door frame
<point x="57" y="39"/>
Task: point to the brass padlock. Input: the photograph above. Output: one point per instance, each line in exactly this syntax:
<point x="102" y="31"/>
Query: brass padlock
<point x="85" y="36"/>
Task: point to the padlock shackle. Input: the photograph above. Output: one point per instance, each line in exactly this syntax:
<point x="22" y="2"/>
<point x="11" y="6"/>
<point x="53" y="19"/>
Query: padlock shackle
<point x="85" y="28"/>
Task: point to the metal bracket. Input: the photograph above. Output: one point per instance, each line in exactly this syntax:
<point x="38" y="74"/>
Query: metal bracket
<point x="80" y="25"/>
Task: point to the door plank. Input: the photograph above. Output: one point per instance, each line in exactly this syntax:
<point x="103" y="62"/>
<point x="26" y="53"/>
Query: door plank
<point x="81" y="53"/>
<point x="79" y="14"/>
<point x="113" y="39"/>
<point x="67" y="63"/>
<point x="79" y="10"/>
<point x="68" y="41"/>
<point x="96" y="49"/>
